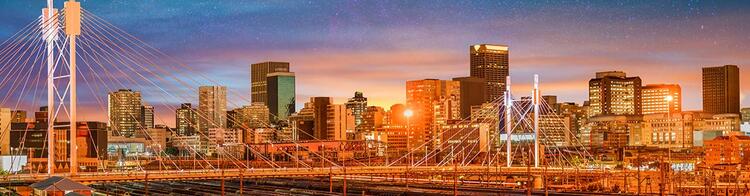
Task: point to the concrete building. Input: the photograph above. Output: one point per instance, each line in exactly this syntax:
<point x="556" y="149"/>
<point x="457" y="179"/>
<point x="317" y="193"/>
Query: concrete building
<point x="490" y="62"/>
<point x="433" y="102"/>
<point x="613" y="131"/>
<point x="662" y="98"/>
<point x="224" y="142"/>
<point x="19" y="116"/>
<point x="358" y="106"/>
<point x="212" y="107"/>
<point x="613" y="93"/>
<point x="186" y="122"/>
<point x="733" y="149"/>
<point x="125" y="112"/>
<point x="280" y="90"/>
<point x="472" y="91"/>
<point x="147" y="116"/>
<point x="673" y="130"/>
<point x="340" y="123"/>
<point x="372" y="118"/>
<point x="745" y="113"/>
<point x="721" y="89"/>
<point x="258" y="79"/>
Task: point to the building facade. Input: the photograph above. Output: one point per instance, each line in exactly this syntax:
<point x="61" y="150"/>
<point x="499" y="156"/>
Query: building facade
<point x="613" y="93"/>
<point x="258" y="78"/>
<point x="280" y="90"/>
<point x="186" y="121"/>
<point x="212" y="107"/>
<point x="358" y="105"/>
<point x="490" y="62"/>
<point x="721" y="89"/>
<point x="125" y="112"/>
<point x="662" y="98"/>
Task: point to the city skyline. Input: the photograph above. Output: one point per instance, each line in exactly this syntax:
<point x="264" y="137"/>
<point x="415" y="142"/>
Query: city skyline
<point x="690" y="36"/>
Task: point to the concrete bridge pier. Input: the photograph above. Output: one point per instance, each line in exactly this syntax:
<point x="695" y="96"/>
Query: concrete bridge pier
<point x="538" y="182"/>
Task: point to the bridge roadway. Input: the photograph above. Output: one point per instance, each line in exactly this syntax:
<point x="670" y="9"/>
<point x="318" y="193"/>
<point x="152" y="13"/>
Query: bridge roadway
<point x="131" y="176"/>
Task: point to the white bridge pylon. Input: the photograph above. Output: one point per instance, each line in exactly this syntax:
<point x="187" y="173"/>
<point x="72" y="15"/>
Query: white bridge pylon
<point x="535" y="101"/>
<point x="57" y="92"/>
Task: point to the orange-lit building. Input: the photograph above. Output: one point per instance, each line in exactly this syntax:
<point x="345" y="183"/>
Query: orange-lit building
<point x="432" y="101"/>
<point x="490" y="62"/>
<point x="734" y="149"/>
<point x="661" y="98"/>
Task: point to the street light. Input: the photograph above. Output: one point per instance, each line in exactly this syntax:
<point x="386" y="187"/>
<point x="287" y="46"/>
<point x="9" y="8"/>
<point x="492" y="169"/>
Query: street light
<point x="408" y="113"/>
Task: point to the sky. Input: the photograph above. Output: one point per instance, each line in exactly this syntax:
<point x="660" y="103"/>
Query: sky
<point x="339" y="47"/>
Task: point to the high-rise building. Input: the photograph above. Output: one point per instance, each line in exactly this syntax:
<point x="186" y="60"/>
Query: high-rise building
<point x="186" y="121"/>
<point x="280" y="90"/>
<point x="472" y="93"/>
<point x="258" y="82"/>
<point x="613" y="93"/>
<point x="395" y="115"/>
<point x="490" y="62"/>
<point x="721" y="89"/>
<point x="431" y="102"/>
<point x="358" y="105"/>
<point x="19" y="116"/>
<point x="661" y="98"/>
<point x="212" y="107"/>
<point x="340" y="123"/>
<point x="125" y="112"/>
<point x="147" y="116"/>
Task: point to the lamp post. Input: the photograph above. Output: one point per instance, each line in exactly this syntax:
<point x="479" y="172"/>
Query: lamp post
<point x="408" y="113"/>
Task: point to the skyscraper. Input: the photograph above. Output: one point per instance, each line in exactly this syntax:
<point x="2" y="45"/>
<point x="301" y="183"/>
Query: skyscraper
<point x="472" y="93"/>
<point x="125" y="112"/>
<point x="258" y="81"/>
<point x="613" y="93"/>
<point x="662" y="98"/>
<point x="147" y="116"/>
<point x="212" y="107"/>
<point x="490" y="62"/>
<point x="339" y="123"/>
<point x="430" y="100"/>
<point x="280" y="92"/>
<point x="256" y="115"/>
<point x="358" y="105"/>
<point x="721" y="89"/>
<point x="186" y="121"/>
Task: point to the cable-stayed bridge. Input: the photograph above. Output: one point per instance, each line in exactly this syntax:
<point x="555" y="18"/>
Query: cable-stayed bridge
<point x="71" y="53"/>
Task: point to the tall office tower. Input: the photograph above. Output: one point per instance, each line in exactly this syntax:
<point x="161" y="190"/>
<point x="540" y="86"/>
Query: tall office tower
<point x="186" y="121"/>
<point x="125" y="112"/>
<point x="19" y="116"/>
<point x="613" y="93"/>
<point x="5" y="119"/>
<point x="212" y="107"/>
<point x="422" y="97"/>
<point x="721" y="89"/>
<point x="472" y="93"/>
<point x="662" y="98"/>
<point x="258" y="82"/>
<point x="147" y="116"/>
<point x="340" y="123"/>
<point x="280" y="92"/>
<point x="490" y="62"/>
<point x="358" y="105"/>
<point x="319" y="109"/>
